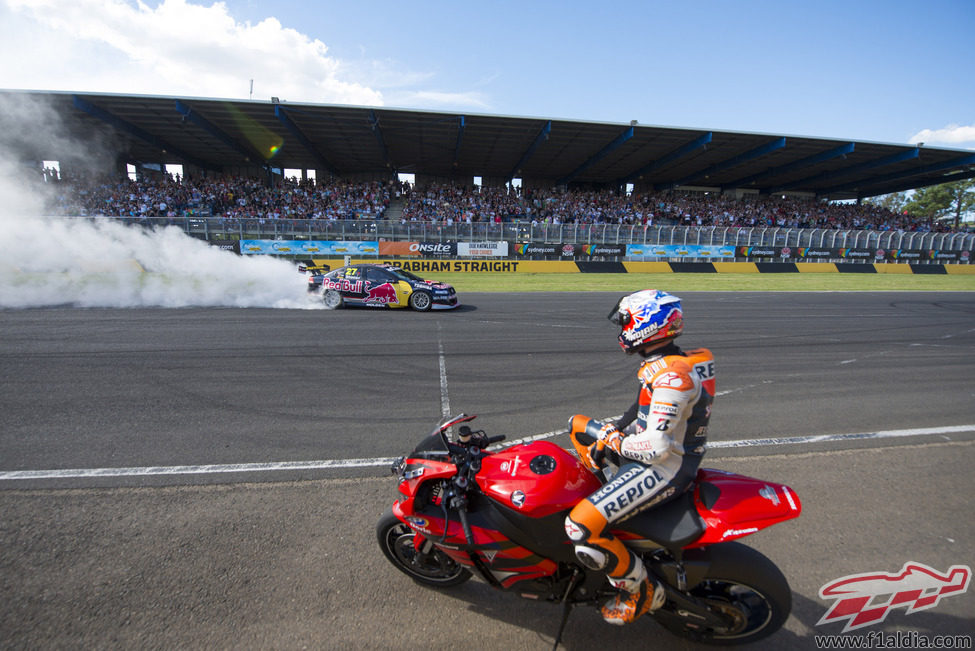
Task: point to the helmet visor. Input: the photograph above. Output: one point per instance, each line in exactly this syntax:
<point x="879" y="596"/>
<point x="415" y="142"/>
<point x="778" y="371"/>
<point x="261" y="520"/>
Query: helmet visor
<point x="619" y="317"/>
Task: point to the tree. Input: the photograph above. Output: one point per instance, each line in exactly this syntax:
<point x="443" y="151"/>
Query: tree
<point x="955" y="200"/>
<point x="894" y="202"/>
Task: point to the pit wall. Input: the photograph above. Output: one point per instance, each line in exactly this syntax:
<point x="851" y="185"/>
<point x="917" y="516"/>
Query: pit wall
<point x="559" y="266"/>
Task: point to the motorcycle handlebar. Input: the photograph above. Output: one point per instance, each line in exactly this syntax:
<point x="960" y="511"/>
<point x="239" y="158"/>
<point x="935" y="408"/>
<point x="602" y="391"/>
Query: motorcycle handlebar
<point x="465" y="525"/>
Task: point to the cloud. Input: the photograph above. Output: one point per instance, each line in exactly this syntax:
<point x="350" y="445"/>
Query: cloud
<point x="953" y="135"/>
<point x="176" y="48"/>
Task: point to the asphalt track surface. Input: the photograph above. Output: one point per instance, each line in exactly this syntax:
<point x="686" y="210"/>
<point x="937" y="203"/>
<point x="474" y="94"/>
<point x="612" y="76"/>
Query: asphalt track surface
<point x="211" y="478"/>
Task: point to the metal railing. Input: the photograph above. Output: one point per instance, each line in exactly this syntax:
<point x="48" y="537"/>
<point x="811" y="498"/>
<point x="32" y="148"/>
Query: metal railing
<point x="215" y="228"/>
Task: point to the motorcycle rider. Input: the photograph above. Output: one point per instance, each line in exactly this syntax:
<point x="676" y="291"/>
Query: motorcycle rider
<point x="657" y="445"/>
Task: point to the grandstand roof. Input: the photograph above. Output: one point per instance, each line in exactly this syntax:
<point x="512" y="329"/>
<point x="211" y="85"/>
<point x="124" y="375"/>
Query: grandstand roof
<point x="352" y="140"/>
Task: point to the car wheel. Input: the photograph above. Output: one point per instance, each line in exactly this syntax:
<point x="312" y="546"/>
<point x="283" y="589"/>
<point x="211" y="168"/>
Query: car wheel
<point x="421" y="301"/>
<point x="332" y="299"/>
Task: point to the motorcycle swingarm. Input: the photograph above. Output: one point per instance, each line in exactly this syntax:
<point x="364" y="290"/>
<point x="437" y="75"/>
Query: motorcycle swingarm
<point x="687" y="606"/>
<point x="682" y="575"/>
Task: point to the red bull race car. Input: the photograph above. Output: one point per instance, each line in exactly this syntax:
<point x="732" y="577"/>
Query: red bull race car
<point x="378" y="285"/>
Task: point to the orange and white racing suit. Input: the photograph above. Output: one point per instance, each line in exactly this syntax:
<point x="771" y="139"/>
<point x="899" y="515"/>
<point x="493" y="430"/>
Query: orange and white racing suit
<point x="657" y="444"/>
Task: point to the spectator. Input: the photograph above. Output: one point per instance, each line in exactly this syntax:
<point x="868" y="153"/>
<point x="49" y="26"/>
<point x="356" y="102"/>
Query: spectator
<point x="241" y="198"/>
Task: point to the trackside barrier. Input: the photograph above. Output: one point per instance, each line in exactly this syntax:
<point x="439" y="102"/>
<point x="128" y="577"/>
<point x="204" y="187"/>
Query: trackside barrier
<point x="585" y="239"/>
<point x="562" y="266"/>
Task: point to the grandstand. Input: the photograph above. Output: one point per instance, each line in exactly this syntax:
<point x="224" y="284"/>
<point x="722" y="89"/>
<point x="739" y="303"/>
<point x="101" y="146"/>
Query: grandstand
<point x="251" y="138"/>
<point x="475" y="176"/>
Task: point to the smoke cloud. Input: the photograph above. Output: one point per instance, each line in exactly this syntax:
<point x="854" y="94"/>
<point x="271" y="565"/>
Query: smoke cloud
<point x="99" y="262"/>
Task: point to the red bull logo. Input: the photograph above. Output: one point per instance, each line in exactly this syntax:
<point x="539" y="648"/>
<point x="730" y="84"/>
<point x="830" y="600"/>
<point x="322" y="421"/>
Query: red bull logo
<point x="343" y="285"/>
<point x="384" y="294"/>
<point x="866" y="599"/>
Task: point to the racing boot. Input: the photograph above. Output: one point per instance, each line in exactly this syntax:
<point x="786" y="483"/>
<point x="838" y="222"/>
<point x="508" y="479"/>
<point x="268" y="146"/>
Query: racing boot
<point x="639" y="594"/>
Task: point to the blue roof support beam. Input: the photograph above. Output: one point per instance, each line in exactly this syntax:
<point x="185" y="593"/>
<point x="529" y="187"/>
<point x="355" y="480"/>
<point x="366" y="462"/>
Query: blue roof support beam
<point x="836" y="152"/>
<point x="751" y="154"/>
<point x="378" y="132"/>
<point x="899" y="157"/>
<point x="212" y="129"/>
<point x="914" y="171"/>
<point x="285" y="119"/>
<point x="539" y="139"/>
<point x="676" y="154"/>
<point x="460" y="139"/>
<point x="608" y="149"/>
<point x="145" y="136"/>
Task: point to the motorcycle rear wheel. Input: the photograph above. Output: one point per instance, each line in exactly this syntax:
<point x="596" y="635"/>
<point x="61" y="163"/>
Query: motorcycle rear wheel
<point x="436" y="569"/>
<point x="744" y="585"/>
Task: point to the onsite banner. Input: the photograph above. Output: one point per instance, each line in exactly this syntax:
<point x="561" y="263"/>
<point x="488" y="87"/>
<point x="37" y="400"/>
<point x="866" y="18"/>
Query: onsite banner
<point x="644" y="251"/>
<point x="417" y="249"/>
<point x="482" y="249"/>
<point x="308" y="247"/>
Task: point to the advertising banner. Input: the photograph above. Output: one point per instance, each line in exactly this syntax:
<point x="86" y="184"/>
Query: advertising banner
<point x="550" y="250"/>
<point x="763" y="252"/>
<point x="597" y="250"/>
<point x="814" y="254"/>
<point x="949" y="256"/>
<point x="418" y="249"/>
<point x="679" y="251"/>
<point x="811" y="254"/>
<point x="310" y="248"/>
<point x="536" y="249"/>
<point x="860" y="254"/>
<point x="482" y="249"/>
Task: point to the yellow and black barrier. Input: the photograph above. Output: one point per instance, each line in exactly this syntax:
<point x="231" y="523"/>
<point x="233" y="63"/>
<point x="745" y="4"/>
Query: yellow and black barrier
<point x="432" y="265"/>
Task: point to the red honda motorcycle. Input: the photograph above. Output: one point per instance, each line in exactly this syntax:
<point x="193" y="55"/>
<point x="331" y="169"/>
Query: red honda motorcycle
<point x="465" y="509"/>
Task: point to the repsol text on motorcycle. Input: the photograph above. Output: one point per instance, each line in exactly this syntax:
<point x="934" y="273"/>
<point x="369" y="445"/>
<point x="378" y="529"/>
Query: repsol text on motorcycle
<point x="465" y="509"/>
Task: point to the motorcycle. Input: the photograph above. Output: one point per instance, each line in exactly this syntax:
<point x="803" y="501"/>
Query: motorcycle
<point x="465" y="509"/>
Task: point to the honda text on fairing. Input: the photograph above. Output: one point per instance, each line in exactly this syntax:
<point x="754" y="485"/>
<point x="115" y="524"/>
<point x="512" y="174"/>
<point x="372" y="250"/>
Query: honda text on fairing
<point x="465" y="510"/>
<point x="378" y="285"/>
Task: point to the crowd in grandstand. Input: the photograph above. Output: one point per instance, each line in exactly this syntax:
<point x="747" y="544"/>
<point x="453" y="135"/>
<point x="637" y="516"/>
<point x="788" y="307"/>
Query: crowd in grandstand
<point x="240" y="198"/>
<point x="451" y="204"/>
<point x="236" y="198"/>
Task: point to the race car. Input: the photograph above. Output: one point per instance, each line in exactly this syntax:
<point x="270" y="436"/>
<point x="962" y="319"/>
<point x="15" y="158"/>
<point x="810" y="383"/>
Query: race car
<point x="381" y="285"/>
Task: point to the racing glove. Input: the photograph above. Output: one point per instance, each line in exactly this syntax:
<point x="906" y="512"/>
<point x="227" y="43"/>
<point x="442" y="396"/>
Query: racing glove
<point x="611" y="437"/>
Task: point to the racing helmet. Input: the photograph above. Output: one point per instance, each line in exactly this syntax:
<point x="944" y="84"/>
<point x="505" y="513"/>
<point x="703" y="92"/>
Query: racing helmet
<point x="647" y="317"/>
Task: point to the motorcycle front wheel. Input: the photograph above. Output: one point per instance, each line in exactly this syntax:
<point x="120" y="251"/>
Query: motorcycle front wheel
<point x="743" y="585"/>
<point x="434" y="569"/>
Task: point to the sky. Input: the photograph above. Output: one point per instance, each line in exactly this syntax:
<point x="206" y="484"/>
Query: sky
<point x="887" y="71"/>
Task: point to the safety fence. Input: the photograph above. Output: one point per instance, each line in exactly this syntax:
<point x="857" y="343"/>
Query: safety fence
<point x="546" y="241"/>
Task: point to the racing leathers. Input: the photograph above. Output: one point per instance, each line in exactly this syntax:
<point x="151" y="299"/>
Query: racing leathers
<point x="657" y="445"/>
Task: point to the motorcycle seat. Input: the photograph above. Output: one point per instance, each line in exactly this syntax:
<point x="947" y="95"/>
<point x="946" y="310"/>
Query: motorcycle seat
<point x="673" y="525"/>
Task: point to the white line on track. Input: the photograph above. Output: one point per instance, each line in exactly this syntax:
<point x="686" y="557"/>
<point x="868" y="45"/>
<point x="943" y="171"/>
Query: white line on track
<point x="334" y="464"/>
<point x="444" y="397"/>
